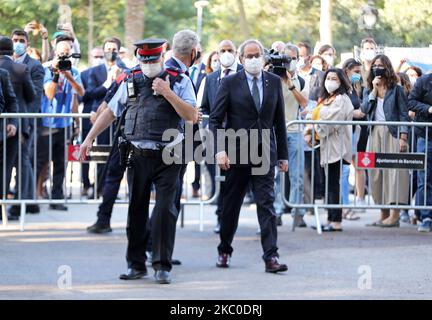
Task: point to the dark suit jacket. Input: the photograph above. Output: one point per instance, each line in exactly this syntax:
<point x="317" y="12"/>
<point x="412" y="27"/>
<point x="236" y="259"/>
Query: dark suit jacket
<point x="2" y="102"/>
<point x="86" y="98"/>
<point x="212" y="84"/>
<point x="23" y="87"/>
<point x="234" y="101"/>
<point x="37" y="74"/>
<point x="201" y="76"/>
<point x="95" y="91"/>
<point x="10" y="100"/>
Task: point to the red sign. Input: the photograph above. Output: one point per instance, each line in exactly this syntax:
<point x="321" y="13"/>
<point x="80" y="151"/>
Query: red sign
<point x="73" y="152"/>
<point x="366" y="160"/>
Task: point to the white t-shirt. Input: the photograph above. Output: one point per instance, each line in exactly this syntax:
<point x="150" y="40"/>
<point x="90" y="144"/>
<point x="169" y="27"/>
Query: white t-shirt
<point x="379" y="113"/>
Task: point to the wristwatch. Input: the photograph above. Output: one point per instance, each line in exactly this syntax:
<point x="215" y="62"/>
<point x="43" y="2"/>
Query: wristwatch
<point x="292" y="88"/>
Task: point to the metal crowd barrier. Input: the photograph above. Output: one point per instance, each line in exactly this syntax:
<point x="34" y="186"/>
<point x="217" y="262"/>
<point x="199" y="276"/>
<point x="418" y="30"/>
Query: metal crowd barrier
<point x="34" y="120"/>
<point x="370" y="124"/>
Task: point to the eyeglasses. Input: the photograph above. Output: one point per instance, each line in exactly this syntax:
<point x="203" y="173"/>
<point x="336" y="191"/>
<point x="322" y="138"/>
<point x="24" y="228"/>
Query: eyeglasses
<point x="98" y="57"/>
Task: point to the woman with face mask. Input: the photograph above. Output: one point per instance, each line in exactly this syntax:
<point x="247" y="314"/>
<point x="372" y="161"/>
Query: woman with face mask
<point x="328" y="53"/>
<point x="352" y="70"/>
<point x="385" y="100"/>
<point x="335" y="140"/>
<point x="213" y="62"/>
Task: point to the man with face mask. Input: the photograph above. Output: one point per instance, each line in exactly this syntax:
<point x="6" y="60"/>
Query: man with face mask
<point x="37" y="73"/>
<point x="25" y="95"/>
<point x="368" y="52"/>
<point x="229" y="66"/>
<point x="296" y="98"/>
<point x="100" y="79"/>
<point x="251" y="101"/>
<point x="156" y="99"/>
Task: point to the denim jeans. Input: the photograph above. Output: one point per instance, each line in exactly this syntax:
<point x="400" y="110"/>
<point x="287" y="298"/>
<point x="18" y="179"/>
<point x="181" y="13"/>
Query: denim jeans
<point x="345" y="184"/>
<point x="420" y="194"/>
<point x="296" y="161"/>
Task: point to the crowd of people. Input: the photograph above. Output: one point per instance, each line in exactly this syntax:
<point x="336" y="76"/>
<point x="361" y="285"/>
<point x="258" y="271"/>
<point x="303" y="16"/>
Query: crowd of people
<point x="312" y="86"/>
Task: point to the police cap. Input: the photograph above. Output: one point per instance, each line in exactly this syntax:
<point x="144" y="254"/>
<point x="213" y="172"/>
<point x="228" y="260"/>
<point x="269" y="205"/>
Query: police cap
<point x="149" y="49"/>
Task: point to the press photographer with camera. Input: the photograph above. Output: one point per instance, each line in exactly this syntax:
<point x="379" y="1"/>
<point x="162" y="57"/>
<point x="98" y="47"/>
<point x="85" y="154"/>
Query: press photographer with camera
<point x="62" y="84"/>
<point x="296" y="97"/>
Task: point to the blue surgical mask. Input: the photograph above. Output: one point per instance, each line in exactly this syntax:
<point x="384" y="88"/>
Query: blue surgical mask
<point x="355" y="78"/>
<point x="19" y="48"/>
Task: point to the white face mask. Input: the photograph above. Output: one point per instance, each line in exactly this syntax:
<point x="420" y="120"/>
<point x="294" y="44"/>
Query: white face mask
<point x="254" y="66"/>
<point x="98" y="61"/>
<point x="215" y="65"/>
<point x="293" y="66"/>
<point x="413" y="81"/>
<point x="368" y="55"/>
<point x="318" y="67"/>
<point x="331" y="85"/>
<point x="300" y="64"/>
<point x="227" y="59"/>
<point x="151" y="70"/>
<point x="329" y="60"/>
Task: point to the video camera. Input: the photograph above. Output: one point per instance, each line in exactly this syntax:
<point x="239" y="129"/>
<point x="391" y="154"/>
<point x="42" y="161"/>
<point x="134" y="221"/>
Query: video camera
<point x="278" y="63"/>
<point x="64" y="61"/>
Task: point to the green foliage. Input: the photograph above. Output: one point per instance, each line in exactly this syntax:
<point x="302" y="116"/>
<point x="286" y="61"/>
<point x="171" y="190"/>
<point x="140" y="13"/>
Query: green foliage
<point x="401" y="22"/>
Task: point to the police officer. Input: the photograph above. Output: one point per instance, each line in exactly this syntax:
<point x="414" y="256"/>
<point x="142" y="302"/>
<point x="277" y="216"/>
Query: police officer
<point x="156" y="99"/>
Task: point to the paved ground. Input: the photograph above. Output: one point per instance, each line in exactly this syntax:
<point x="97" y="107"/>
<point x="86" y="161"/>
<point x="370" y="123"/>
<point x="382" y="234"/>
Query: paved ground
<point x="393" y="263"/>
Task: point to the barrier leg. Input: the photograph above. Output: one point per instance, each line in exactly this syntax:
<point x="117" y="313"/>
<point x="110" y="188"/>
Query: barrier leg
<point x="22" y="216"/>
<point x="317" y="219"/>
<point x="4" y="216"/>
<point x="182" y="215"/>
<point x="294" y="220"/>
<point x="201" y="223"/>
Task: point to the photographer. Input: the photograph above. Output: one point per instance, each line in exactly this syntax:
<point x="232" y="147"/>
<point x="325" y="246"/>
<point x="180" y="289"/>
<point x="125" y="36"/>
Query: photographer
<point x="62" y="83"/>
<point x="296" y="92"/>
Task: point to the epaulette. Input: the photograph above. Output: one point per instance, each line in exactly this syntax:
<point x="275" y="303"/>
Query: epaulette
<point x="175" y="72"/>
<point x="128" y="73"/>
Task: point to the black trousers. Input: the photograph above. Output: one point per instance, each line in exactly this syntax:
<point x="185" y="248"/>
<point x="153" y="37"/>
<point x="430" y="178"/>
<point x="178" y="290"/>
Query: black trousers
<point x="111" y="186"/>
<point x="143" y="173"/>
<point x="236" y="186"/>
<point x="9" y="150"/>
<point x="58" y="158"/>
<point x="333" y="180"/>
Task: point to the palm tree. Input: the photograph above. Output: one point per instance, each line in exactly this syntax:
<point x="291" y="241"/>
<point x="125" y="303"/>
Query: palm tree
<point x="134" y="23"/>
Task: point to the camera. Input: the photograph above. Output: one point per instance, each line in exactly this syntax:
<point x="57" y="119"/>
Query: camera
<point x="65" y="64"/>
<point x="278" y="63"/>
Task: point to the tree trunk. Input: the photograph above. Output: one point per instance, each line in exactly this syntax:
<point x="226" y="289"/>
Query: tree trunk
<point x="134" y="23"/>
<point x="326" y="22"/>
<point x="244" y="26"/>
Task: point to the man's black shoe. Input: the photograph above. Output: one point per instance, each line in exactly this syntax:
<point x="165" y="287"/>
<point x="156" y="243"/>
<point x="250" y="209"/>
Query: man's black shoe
<point x="99" y="228"/>
<point x="134" y="274"/>
<point x="163" y="277"/>
<point x="33" y="209"/>
<point x="59" y="207"/>
<point x="175" y="262"/>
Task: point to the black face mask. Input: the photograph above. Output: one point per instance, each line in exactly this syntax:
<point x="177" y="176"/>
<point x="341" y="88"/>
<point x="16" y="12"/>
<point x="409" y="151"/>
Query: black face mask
<point x="378" y="72"/>
<point x="197" y="56"/>
<point x="111" y="56"/>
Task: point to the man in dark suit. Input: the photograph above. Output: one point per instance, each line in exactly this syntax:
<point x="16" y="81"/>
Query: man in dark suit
<point x="10" y="106"/>
<point x="25" y="94"/>
<point x="37" y="73"/>
<point x="100" y="79"/>
<point x="252" y="103"/>
<point x="197" y="74"/>
<point x="227" y="52"/>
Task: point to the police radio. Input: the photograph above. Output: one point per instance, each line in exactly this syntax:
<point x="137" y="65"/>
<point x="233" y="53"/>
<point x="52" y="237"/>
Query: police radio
<point x="131" y="89"/>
